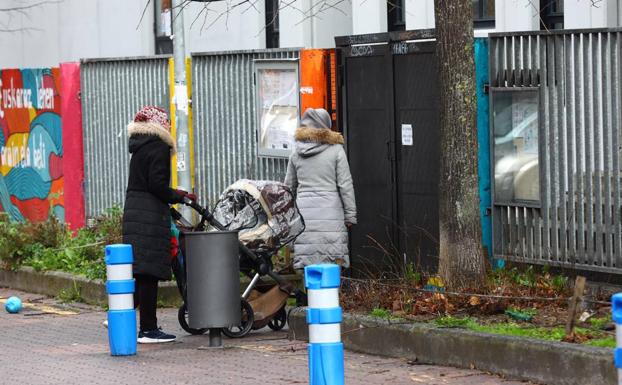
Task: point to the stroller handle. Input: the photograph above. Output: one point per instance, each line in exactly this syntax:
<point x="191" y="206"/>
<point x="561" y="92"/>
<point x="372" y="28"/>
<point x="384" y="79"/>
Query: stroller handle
<point x="206" y="215"/>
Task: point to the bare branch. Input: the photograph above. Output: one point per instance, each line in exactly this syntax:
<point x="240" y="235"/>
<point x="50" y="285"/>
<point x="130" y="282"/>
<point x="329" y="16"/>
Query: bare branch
<point x="143" y="14"/>
<point x="34" y="5"/>
<point x="205" y="9"/>
<point x="538" y="12"/>
<point x="181" y="7"/>
<point x="15" y="30"/>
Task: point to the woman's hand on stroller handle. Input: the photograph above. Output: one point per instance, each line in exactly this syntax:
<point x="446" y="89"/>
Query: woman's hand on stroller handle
<point x="186" y="195"/>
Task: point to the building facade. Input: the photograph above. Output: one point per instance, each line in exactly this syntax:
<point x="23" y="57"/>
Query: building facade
<point x="45" y="34"/>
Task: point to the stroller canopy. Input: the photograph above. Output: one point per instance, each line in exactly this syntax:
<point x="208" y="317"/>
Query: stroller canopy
<point x="264" y="213"/>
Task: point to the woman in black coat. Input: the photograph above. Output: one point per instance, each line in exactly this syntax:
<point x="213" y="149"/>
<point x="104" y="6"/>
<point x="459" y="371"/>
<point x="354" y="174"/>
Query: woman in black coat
<point x="146" y="215"/>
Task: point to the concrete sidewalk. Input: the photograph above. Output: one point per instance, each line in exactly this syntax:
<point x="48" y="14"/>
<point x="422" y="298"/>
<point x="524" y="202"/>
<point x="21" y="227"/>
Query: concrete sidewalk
<point x="51" y="344"/>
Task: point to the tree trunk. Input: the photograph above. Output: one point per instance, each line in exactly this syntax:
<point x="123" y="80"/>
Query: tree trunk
<point x="462" y="262"/>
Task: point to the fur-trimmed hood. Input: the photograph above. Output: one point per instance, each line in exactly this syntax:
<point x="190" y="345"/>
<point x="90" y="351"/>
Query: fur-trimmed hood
<point x="149" y="128"/>
<point x="318" y="135"/>
<point x="312" y="141"/>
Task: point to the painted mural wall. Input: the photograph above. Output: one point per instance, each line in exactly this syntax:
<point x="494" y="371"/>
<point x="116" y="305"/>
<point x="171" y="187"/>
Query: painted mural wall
<point x="31" y="149"/>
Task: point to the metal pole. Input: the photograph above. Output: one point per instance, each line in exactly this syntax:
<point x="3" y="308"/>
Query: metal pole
<point x="215" y="338"/>
<point x="181" y="105"/>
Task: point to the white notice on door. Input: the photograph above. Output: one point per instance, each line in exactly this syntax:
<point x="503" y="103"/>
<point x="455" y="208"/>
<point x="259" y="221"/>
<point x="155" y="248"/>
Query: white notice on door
<point x="407" y="135"/>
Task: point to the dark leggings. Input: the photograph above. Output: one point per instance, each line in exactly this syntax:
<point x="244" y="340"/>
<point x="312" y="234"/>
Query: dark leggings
<point x="146" y="299"/>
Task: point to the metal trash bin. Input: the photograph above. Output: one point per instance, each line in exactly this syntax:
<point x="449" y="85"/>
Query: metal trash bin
<point x="213" y="281"/>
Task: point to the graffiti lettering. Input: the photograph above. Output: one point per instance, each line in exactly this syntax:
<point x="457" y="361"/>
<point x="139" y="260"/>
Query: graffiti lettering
<point x="16" y="97"/>
<point x="361" y="50"/>
<point x="39" y="161"/>
<point x="400" y="48"/>
<point x="20" y="157"/>
<point x="45" y="98"/>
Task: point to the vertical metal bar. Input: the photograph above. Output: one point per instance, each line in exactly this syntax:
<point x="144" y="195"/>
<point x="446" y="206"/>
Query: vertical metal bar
<point x="569" y="204"/>
<point x="533" y="61"/>
<point x="536" y="79"/>
<point x="493" y="61"/>
<point x="580" y="132"/>
<point x="507" y="241"/>
<point x="598" y="144"/>
<point x="509" y="68"/>
<point x="560" y="157"/>
<point x="589" y="125"/>
<point x="518" y="63"/>
<point x="616" y="125"/>
<point x="520" y="232"/>
<point x="529" y="236"/>
<point x="513" y="240"/>
<point x="607" y="226"/>
<point x="543" y="144"/>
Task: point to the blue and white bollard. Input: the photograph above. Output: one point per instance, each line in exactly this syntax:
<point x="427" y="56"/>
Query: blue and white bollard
<point x="616" y="316"/>
<point x="120" y="288"/>
<point x="326" y="364"/>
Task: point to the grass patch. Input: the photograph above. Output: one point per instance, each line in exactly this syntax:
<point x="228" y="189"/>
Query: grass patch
<point x="600" y="323"/>
<point x="608" y="342"/>
<point x="516" y="330"/>
<point x="454" y="322"/>
<point x="593" y="338"/>
<point x="381" y="313"/>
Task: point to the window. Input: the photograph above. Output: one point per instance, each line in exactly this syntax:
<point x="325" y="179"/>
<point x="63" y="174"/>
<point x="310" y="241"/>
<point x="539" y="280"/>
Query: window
<point x="163" y="27"/>
<point x="483" y="13"/>
<point x="515" y="146"/>
<point x="551" y="14"/>
<point x="277" y="96"/>
<point x="396" y="15"/>
<point x="272" y="23"/>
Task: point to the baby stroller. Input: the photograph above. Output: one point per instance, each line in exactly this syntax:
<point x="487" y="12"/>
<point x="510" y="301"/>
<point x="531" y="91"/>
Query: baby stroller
<point x="266" y="217"/>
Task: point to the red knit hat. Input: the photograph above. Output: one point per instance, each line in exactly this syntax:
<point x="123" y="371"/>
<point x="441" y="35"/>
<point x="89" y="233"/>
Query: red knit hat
<point x="153" y="114"/>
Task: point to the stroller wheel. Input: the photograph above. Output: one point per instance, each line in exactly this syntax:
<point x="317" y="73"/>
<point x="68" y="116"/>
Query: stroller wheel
<point x="248" y="317"/>
<point x="279" y="320"/>
<point x="183" y="322"/>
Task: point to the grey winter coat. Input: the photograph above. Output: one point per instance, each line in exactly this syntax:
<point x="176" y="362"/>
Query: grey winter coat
<point x="319" y="175"/>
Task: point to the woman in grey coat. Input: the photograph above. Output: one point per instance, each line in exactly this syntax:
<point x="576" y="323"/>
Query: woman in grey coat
<point x="319" y="175"/>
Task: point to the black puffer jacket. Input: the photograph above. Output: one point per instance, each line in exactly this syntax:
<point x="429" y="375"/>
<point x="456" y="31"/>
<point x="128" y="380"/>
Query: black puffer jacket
<point x="146" y="216"/>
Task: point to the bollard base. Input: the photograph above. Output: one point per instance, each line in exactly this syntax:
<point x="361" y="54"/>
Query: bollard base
<point x="326" y="364"/>
<point x="122" y="332"/>
<point x="215" y="338"/>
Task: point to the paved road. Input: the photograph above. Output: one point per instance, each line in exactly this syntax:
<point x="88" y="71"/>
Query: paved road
<point x="51" y="344"/>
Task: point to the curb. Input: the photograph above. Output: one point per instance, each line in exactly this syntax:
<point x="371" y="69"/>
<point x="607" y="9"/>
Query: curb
<point x="544" y="362"/>
<point x="92" y="292"/>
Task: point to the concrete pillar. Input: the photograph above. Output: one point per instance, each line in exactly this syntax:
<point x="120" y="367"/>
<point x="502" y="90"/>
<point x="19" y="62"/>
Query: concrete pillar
<point x="419" y="14"/>
<point x="369" y="16"/>
<point x="582" y="14"/>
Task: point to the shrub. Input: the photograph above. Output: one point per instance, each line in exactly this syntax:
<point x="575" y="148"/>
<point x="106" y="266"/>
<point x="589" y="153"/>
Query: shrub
<point x="51" y="246"/>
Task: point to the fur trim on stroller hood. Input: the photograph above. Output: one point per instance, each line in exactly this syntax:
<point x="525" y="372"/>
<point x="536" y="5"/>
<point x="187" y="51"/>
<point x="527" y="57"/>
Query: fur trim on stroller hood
<point x="151" y="128"/>
<point x="318" y="135"/>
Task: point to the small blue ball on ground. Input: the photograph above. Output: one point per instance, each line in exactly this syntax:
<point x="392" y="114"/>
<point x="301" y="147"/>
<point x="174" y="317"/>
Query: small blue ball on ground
<point x="13" y="305"/>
